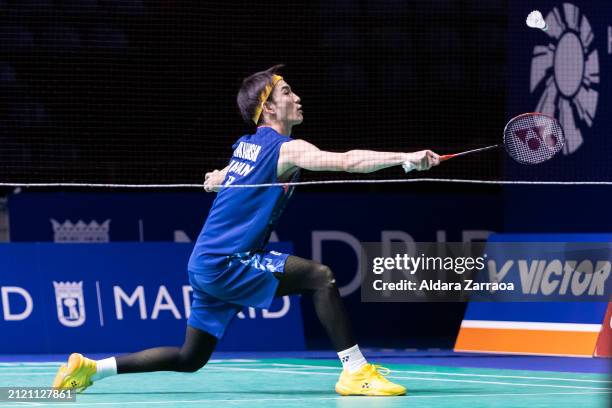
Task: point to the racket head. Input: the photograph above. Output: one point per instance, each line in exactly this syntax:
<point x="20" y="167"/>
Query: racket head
<point x="533" y="138"/>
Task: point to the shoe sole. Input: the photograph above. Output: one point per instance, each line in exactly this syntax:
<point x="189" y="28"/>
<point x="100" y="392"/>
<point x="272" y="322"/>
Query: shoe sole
<point x="59" y="377"/>
<point x="345" y="392"/>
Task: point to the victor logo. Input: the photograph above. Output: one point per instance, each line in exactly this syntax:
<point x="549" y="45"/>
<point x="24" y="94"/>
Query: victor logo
<point x="565" y="72"/>
<point x="550" y="277"/>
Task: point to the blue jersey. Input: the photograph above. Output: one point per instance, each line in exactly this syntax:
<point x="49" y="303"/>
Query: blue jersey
<point x="242" y="219"/>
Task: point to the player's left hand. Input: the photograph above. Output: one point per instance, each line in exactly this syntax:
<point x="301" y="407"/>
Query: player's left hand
<point x="211" y="179"/>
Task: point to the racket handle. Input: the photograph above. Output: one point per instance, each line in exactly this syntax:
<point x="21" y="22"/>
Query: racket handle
<point x="482" y="149"/>
<point x="408" y="166"/>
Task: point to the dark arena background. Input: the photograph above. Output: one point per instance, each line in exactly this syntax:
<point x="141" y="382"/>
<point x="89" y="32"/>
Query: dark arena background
<point x="113" y="111"/>
<point x="144" y="92"/>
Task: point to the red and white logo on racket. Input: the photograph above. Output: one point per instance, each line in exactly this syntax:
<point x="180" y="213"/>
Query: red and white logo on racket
<point x="535" y="137"/>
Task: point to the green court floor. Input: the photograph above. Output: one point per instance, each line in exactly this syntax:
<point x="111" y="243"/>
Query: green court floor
<point x="273" y="383"/>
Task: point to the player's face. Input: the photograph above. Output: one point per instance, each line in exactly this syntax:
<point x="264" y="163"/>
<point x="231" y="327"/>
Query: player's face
<point x="287" y="104"/>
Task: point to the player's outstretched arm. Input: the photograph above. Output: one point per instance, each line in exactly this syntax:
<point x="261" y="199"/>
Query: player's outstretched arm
<point x="214" y="178"/>
<point x="299" y="153"/>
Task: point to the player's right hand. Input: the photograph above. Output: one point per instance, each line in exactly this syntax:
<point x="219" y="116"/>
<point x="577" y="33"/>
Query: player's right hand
<point x="424" y="159"/>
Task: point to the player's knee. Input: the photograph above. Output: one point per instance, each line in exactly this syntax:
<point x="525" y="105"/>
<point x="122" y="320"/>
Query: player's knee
<point x="191" y="366"/>
<point x="326" y="276"/>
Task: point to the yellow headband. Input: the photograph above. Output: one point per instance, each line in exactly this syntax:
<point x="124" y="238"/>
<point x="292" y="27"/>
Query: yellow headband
<point x="263" y="97"/>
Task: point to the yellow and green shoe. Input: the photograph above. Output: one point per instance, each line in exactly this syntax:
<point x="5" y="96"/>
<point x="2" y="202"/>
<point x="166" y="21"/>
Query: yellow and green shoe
<point x="76" y="375"/>
<point x="368" y="381"/>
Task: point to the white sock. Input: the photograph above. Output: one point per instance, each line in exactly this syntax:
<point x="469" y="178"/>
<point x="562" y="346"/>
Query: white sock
<point x="105" y="368"/>
<point x="352" y="359"/>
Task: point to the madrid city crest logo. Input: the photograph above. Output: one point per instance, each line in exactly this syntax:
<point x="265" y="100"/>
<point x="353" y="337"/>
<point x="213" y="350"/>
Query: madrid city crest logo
<point x="566" y="72"/>
<point x="70" y="303"/>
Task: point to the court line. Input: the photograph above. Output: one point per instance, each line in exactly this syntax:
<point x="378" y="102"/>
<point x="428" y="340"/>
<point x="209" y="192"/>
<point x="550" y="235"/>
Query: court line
<point x="458" y="374"/>
<point x="234" y="360"/>
<point x="58" y="363"/>
<point x="25" y="373"/>
<point x="21" y="369"/>
<point x="419" y="378"/>
<point x="446" y="395"/>
<point x="77" y="403"/>
<point x="20" y="374"/>
<point x="25" y="370"/>
<point x="306" y="366"/>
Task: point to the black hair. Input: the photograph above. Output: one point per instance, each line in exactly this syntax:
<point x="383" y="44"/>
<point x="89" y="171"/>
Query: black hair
<point x="252" y="86"/>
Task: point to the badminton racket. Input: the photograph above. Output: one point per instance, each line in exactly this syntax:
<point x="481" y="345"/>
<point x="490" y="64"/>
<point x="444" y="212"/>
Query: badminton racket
<point x="529" y="138"/>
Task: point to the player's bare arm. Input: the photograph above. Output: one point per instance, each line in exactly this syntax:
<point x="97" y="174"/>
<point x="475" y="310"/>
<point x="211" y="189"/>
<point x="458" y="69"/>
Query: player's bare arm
<point x="305" y="155"/>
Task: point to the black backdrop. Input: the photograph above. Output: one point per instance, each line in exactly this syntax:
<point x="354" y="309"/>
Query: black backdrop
<point x="144" y="91"/>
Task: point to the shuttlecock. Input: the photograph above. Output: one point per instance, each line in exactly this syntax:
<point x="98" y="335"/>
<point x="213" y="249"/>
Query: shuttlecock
<point x="536" y="20"/>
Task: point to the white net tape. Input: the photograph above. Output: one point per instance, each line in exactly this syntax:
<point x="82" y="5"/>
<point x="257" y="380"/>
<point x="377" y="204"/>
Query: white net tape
<point x="305" y="183"/>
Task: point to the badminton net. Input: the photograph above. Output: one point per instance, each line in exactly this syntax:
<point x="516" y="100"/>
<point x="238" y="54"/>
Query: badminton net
<point x="143" y="94"/>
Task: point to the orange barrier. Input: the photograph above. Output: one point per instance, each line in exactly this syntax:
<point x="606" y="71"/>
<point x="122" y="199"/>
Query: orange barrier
<point x="604" y="343"/>
<point x="527" y="341"/>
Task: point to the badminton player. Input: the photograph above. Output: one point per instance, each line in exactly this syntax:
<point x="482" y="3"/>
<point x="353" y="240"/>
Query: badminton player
<point x="229" y="268"/>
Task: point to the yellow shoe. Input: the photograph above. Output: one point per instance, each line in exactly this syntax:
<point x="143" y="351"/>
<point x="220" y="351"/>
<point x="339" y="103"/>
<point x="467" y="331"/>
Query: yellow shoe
<point x="76" y="375"/>
<point x="368" y="381"/>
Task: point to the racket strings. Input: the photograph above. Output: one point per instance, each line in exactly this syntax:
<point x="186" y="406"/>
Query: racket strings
<point x="533" y="139"/>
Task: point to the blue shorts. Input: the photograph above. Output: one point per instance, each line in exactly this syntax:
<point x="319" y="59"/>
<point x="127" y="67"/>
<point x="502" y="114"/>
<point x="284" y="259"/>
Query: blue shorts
<point x="228" y="284"/>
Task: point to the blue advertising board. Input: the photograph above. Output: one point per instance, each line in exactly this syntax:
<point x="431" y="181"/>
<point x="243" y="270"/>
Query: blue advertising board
<point x="551" y="303"/>
<point x="557" y="278"/>
<point x="327" y="227"/>
<point x="116" y="298"/>
<point x="547" y="268"/>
